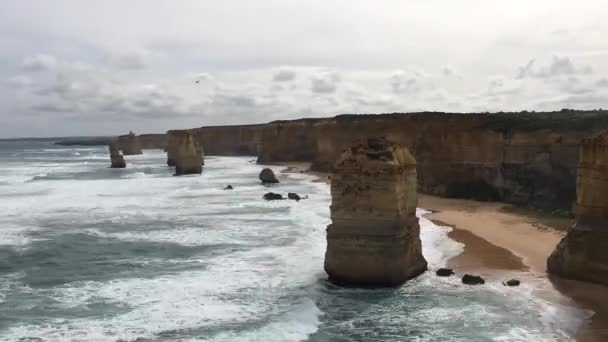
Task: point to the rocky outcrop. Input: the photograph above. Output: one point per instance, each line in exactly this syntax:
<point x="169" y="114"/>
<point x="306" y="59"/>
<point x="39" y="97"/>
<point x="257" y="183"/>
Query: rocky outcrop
<point x="116" y="158"/>
<point x="582" y="253"/>
<point x="187" y="153"/>
<point x="267" y="176"/>
<point x="271" y="196"/>
<point x="129" y="144"/>
<point x="521" y="158"/>
<point x="374" y="237"/>
<point x="445" y="272"/>
<point x="472" y="280"/>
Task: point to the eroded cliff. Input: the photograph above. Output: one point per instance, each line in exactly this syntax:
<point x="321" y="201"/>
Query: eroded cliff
<point x="581" y="254"/>
<point x="374" y="237"/>
<point x="522" y="158"/>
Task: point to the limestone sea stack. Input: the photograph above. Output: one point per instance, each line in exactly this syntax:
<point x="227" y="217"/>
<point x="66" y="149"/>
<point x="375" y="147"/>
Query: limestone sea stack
<point x="116" y="158"/>
<point x="188" y="158"/>
<point x="171" y="147"/>
<point x="131" y="145"/>
<point x="374" y="237"/>
<point x="581" y="254"/>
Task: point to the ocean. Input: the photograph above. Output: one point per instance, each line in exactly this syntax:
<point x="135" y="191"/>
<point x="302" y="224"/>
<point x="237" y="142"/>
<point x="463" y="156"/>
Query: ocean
<point x="89" y="253"/>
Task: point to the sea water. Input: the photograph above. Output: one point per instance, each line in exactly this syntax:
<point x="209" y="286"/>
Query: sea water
<point x="89" y="253"/>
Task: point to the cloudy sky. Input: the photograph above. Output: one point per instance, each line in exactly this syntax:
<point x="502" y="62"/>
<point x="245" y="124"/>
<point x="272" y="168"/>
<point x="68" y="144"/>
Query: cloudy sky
<point x="80" y="67"/>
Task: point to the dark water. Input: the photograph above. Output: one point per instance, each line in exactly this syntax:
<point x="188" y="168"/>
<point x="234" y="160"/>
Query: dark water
<point x="89" y="253"/>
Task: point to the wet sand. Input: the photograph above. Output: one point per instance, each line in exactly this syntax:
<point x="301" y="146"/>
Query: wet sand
<point x="501" y="243"/>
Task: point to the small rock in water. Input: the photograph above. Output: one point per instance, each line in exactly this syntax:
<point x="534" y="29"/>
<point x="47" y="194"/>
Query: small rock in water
<point x="294" y="196"/>
<point x="512" y="282"/>
<point x="472" y="280"/>
<point x="267" y="176"/>
<point x="229" y="187"/>
<point x="445" y="272"/>
<point x="271" y="196"/>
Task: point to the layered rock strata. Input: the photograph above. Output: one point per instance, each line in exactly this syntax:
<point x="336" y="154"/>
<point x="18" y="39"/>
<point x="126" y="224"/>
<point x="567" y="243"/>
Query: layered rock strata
<point x="583" y="252"/>
<point x="130" y="144"/>
<point x="187" y="154"/>
<point x="374" y="237"/>
<point x="116" y="158"/>
<point x="522" y="158"/>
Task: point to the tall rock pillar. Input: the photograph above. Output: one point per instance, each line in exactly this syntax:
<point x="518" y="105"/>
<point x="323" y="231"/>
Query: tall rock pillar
<point x="116" y="159"/>
<point x="188" y="156"/>
<point x="374" y="237"/>
<point x="130" y="144"/>
<point x="583" y="253"/>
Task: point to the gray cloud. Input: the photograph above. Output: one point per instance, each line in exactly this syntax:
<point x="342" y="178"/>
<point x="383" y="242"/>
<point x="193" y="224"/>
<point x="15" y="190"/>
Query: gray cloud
<point x="40" y="62"/>
<point x="559" y="66"/>
<point x="325" y="82"/>
<point x="284" y="75"/>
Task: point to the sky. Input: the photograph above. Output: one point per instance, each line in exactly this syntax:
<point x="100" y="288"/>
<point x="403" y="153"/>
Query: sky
<point x="83" y="67"/>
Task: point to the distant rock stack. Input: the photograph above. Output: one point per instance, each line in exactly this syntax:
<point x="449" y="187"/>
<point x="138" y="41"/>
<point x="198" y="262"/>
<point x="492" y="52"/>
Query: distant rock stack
<point x="172" y="142"/>
<point x="583" y="253"/>
<point x="188" y="158"/>
<point x="171" y="147"/>
<point x="131" y="144"/>
<point x="374" y="238"/>
<point x="116" y="158"/>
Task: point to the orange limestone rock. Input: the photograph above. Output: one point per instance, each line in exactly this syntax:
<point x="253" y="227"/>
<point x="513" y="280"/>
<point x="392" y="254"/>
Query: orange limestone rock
<point x="583" y="253"/>
<point x="188" y="157"/>
<point x="116" y="158"/>
<point x="131" y="145"/>
<point x="374" y="238"/>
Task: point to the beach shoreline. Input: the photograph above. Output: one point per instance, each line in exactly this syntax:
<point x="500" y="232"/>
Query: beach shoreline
<point x="502" y="242"/>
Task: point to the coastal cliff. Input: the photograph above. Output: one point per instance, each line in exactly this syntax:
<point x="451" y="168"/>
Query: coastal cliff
<point x="374" y="237"/>
<point x="581" y="254"/>
<point x="521" y="158"/>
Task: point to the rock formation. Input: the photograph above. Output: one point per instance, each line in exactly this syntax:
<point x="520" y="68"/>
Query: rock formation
<point x="583" y="253"/>
<point x="188" y="159"/>
<point x="374" y="238"/>
<point x="173" y="140"/>
<point x="522" y="158"/>
<point x="271" y="196"/>
<point x="130" y="144"/>
<point x="116" y="158"/>
<point x="445" y="272"/>
<point x="472" y="280"/>
<point x="267" y="176"/>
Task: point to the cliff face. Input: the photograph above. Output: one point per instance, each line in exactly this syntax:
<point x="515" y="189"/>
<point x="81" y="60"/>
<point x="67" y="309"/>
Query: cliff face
<point x="374" y="238"/>
<point x="582" y="253"/>
<point x="241" y="140"/>
<point x="525" y="159"/>
<point x="188" y="154"/>
<point x="116" y="159"/>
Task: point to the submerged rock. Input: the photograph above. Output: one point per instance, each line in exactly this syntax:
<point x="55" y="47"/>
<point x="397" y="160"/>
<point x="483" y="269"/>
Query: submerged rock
<point x="187" y="154"/>
<point x="445" y="272"/>
<point x="512" y="282"/>
<point x="271" y="196"/>
<point x="582" y="253"/>
<point x="472" y="280"/>
<point x="116" y="158"/>
<point x="267" y="176"/>
<point x="293" y="196"/>
<point x="229" y="187"/>
<point x="374" y="237"/>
